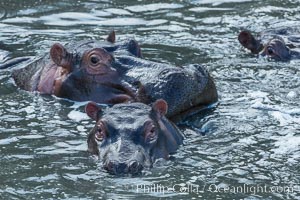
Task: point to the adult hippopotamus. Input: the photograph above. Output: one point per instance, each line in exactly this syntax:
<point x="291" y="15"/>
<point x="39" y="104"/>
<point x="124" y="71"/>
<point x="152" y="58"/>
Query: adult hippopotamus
<point x="279" y="44"/>
<point x="112" y="73"/>
<point x="63" y="64"/>
<point x="131" y="136"/>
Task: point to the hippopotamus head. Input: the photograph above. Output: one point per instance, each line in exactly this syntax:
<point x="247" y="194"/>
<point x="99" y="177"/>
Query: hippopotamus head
<point x="275" y="48"/>
<point x="129" y="137"/>
<point x="85" y="72"/>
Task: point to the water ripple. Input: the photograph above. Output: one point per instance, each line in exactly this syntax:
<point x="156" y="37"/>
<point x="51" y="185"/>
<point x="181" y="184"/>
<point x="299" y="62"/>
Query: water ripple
<point x="251" y="137"/>
<point x="153" y="7"/>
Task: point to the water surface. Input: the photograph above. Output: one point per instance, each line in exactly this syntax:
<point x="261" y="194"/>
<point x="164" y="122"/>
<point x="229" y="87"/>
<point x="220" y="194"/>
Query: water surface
<point x="252" y="138"/>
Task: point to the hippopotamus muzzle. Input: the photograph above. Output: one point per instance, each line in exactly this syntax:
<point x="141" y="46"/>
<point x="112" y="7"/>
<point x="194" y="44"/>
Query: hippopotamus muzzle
<point x="125" y="157"/>
<point x="129" y="137"/>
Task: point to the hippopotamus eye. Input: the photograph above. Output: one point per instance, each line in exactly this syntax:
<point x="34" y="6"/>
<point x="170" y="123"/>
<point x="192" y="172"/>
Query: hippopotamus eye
<point x="100" y="134"/>
<point x="270" y="50"/>
<point x="151" y="135"/>
<point x="94" y="59"/>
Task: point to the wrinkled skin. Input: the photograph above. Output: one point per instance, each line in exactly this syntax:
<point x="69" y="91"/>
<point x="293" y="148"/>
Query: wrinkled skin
<point x="129" y="137"/>
<point x="185" y="89"/>
<point x="70" y="71"/>
<point x="279" y="44"/>
<point x="112" y="73"/>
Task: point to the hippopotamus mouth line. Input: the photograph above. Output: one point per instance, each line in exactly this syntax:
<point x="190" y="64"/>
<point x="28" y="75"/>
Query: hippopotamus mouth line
<point x="123" y="89"/>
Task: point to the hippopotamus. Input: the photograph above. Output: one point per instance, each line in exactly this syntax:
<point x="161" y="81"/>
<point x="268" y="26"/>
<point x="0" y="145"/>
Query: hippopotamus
<point x="62" y="66"/>
<point x="111" y="73"/>
<point x="278" y="44"/>
<point x="128" y="137"/>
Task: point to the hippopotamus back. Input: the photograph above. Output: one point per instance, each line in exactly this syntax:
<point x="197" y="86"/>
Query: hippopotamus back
<point x="184" y="88"/>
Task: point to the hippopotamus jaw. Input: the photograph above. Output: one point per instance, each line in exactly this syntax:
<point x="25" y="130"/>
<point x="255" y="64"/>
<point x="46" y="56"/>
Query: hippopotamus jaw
<point x="106" y="92"/>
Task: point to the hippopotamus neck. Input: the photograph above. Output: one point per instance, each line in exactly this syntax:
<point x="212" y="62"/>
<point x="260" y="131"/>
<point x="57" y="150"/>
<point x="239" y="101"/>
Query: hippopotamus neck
<point x="28" y="77"/>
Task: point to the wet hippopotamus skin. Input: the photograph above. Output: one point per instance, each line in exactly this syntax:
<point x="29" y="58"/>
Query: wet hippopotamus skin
<point x="70" y="66"/>
<point x="112" y="73"/>
<point x="278" y="44"/>
<point x="129" y="137"/>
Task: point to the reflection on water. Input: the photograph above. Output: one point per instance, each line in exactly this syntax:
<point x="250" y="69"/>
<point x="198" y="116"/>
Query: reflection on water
<point x="2" y="12"/>
<point x="252" y="136"/>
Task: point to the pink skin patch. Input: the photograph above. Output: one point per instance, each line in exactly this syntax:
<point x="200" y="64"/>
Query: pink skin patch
<point x="47" y="78"/>
<point x="51" y="79"/>
<point x="59" y="76"/>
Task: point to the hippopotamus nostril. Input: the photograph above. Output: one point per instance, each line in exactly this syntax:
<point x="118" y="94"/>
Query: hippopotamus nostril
<point x="114" y="167"/>
<point x="135" y="167"/>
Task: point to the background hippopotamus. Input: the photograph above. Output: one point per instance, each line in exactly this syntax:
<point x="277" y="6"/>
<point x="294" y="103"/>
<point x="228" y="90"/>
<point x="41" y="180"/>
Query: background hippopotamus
<point x="278" y="44"/>
<point x="63" y="64"/>
<point x="128" y="137"/>
<point x="114" y="73"/>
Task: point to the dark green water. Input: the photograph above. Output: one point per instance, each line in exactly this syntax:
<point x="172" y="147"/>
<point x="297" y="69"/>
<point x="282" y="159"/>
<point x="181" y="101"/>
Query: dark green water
<point x="252" y="143"/>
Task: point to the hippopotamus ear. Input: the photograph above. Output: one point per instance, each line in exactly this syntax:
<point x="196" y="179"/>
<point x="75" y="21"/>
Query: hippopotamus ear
<point x="111" y="37"/>
<point x="248" y="41"/>
<point x="160" y="106"/>
<point x="134" y="48"/>
<point x="92" y="110"/>
<point x="60" y="55"/>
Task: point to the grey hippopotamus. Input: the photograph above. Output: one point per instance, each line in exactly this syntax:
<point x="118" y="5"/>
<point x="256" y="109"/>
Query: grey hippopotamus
<point x="128" y="137"/>
<point x="278" y="44"/>
<point x="111" y="73"/>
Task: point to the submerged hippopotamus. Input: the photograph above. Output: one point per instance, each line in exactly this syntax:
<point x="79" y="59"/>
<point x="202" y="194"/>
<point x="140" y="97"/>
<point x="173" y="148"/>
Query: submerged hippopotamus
<point x="131" y="136"/>
<point x="278" y="44"/>
<point x="111" y="73"/>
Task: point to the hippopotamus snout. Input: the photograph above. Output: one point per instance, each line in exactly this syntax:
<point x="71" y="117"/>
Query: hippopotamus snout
<point x="131" y="167"/>
<point x="124" y="157"/>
